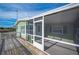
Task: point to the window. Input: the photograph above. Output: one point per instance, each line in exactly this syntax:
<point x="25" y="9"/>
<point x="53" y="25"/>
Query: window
<point x="38" y="28"/>
<point x="64" y="29"/>
<point x="29" y="27"/>
<point x="57" y="29"/>
<point x="39" y="18"/>
<point x="23" y="29"/>
<point x="38" y="39"/>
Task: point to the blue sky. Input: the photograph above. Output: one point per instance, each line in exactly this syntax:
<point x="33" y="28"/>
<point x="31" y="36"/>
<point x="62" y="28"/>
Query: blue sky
<point x="8" y="14"/>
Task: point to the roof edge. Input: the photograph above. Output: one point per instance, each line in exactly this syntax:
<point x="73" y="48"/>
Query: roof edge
<point x="62" y="8"/>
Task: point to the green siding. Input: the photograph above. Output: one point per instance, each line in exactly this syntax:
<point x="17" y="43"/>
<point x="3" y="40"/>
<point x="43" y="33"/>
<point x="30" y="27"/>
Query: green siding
<point x="19" y="29"/>
<point x="30" y="38"/>
<point x="27" y="37"/>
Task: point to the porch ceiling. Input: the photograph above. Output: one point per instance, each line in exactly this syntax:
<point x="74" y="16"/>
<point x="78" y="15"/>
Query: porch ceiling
<point x="68" y="16"/>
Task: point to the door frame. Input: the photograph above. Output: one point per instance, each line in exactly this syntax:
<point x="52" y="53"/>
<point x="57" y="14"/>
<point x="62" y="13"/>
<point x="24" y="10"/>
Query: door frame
<point x="36" y="44"/>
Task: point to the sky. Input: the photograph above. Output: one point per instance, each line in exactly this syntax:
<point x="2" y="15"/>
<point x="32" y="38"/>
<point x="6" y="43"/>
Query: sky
<point x="8" y="12"/>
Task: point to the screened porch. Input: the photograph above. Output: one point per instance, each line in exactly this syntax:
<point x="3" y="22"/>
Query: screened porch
<point x="54" y="33"/>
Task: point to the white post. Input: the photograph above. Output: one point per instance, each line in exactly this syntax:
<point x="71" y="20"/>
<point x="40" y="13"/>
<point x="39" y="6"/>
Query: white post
<point x="0" y="36"/>
<point x="43" y="33"/>
<point x="25" y="29"/>
<point x="33" y="31"/>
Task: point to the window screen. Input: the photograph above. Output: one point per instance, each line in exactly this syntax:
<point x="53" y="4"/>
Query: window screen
<point x="23" y="29"/>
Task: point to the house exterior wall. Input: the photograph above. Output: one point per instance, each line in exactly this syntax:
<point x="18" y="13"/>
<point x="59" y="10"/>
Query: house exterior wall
<point x="65" y="35"/>
<point x="20" y="29"/>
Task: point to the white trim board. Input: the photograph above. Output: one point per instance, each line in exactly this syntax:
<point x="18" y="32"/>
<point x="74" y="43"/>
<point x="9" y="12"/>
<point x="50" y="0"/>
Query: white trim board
<point x="72" y="44"/>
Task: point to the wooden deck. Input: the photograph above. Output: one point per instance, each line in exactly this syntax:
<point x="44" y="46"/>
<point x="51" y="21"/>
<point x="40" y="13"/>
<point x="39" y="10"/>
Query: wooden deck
<point x="11" y="46"/>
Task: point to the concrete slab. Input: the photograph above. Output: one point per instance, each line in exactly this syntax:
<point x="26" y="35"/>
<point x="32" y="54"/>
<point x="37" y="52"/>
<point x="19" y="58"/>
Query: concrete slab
<point x="59" y="49"/>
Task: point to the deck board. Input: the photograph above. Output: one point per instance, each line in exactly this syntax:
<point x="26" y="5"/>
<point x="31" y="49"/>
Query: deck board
<point x="12" y="46"/>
